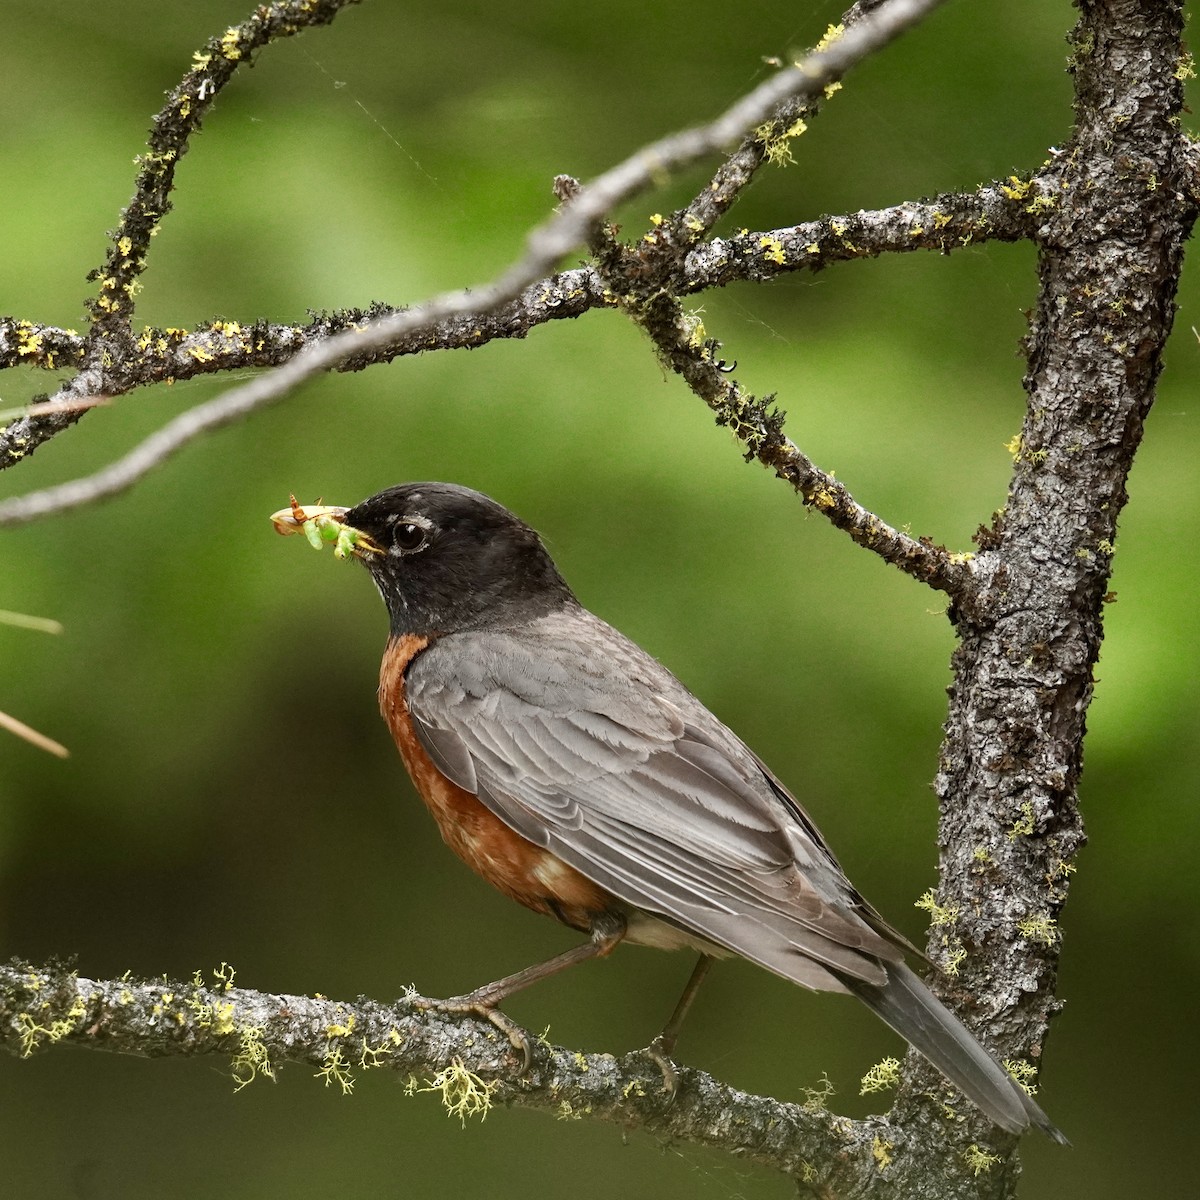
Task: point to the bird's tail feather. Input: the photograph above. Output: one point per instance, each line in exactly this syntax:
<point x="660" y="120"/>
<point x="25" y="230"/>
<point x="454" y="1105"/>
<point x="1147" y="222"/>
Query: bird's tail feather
<point x="916" y="1014"/>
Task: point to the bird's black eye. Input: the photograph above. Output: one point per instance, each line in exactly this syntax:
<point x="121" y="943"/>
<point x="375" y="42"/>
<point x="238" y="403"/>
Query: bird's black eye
<point x="410" y="537"/>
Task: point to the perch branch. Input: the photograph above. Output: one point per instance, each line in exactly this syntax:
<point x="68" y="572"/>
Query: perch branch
<point x="462" y="1058"/>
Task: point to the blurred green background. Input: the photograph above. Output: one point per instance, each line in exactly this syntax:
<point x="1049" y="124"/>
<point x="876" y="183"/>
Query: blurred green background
<point x="232" y="794"/>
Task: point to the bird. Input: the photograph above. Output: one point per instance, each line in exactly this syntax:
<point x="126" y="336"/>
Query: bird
<point x="578" y="776"/>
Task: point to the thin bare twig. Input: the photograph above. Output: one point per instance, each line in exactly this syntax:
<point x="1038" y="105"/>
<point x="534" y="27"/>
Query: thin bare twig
<point x="31" y="735"/>
<point x="25" y="621"/>
<point x="546" y="245"/>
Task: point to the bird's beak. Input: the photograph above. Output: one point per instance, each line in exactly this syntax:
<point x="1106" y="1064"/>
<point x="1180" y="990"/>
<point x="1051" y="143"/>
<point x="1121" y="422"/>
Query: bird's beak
<point x="322" y="524"/>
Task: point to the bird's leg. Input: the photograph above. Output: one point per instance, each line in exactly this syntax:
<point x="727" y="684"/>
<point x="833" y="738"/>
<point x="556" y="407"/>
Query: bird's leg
<point x="663" y="1046"/>
<point x="607" y="932"/>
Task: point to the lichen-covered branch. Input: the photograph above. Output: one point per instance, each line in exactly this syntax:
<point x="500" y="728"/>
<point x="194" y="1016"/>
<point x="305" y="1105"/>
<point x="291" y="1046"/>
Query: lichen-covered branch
<point x="213" y="66"/>
<point x="646" y="279"/>
<point x="469" y="1066"/>
<point x="684" y="348"/>
<point x="1118" y="209"/>
<point x="944" y="224"/>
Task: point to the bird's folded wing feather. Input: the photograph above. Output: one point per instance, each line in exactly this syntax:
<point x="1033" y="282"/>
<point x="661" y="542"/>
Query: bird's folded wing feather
<point x="584" y="745"/>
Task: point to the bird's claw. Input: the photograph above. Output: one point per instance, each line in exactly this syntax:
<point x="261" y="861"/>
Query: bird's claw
<point x="476" y="1006"/>
<point x="659" y="1053"/>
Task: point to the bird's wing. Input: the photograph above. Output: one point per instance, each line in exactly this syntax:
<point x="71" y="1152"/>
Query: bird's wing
<point x="586" y="746"/>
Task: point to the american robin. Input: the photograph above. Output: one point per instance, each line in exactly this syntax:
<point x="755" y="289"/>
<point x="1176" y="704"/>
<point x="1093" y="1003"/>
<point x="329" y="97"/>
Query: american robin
<point x="577" y="775"/>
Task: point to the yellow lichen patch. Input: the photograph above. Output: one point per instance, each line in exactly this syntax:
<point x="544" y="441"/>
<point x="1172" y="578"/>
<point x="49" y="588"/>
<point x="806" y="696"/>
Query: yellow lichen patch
<point x="832" y="34"/>
<point x="464" y="1094"/>
<point x="939" y="914"/>
<point x="773" y="248"/>
<point x="229" y="44"/>
<point x="881" y="1152"/>
<point x="1016" y="188"/>
<point x="1023" y="826"/>
<point x="222" y="1018"/>
<point x="341" y="1029"/>
<point x="882" y="1076"/>
<point x="978" y="1160"/>
<point x="1025" y="1073"/>
<point x="252" y="1058"/>
<point x="29" y="341"/>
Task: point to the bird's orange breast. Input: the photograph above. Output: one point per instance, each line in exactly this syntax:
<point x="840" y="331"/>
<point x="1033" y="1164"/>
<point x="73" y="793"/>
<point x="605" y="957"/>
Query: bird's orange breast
<point x="510" y="863"/>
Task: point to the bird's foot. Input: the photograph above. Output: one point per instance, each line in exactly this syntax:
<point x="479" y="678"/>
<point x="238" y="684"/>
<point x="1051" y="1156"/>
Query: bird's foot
<point x="479" y="1004"/>
<point x="659" y="1052"/>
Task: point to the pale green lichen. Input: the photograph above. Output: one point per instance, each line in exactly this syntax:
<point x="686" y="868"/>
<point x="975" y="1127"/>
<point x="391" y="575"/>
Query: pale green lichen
<point x="464" y="1094"/>
<point x="33" y="1033"/>
<point x="1023" y="826"/>
<point x="1039" y="929"/>
<point x="252" y="1059"/>
<point x="336" y="1070"/>
<point x="956" y="955"/>
<point x="1025" y="1074"/>
<point x="978" y="1160"/>
<point x="816" y="1099"/>
<point x="939" y="914"/>
<point x="776" y="143"/>
<point x="881" y="1077"/>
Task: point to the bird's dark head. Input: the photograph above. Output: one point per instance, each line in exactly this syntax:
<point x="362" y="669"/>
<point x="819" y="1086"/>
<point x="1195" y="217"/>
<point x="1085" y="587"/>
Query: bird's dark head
<point x="444" y="557"/>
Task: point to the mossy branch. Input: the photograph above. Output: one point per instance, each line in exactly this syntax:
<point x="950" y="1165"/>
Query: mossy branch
<point x="473" y="1067"/>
